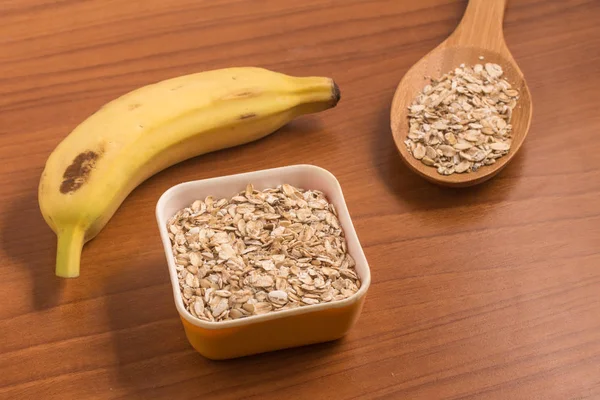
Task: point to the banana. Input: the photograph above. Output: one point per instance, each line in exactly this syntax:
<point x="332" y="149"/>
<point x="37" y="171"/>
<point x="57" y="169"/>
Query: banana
<point x="91" y="171"/>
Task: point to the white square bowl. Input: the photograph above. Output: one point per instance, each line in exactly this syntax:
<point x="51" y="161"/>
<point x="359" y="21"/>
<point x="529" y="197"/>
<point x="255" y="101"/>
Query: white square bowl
<point x="276" y="330"/>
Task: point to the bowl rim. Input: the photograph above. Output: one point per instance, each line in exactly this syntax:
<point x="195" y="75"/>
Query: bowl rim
<point x="348" y="230"/>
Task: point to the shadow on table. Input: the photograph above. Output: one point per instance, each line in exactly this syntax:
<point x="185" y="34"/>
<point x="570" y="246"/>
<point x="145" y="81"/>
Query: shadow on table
<point x="419" y="194"/>
<point x="29" y="242"/>
<point x="155" y="360"/>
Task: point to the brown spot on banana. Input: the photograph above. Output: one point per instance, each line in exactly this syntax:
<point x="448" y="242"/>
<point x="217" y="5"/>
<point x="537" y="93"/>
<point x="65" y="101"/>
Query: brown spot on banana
<point x="241" y="95"/>
<point x="77" y="174"/>
<point x="249" y="115"/>
<point x="244" y="94"/>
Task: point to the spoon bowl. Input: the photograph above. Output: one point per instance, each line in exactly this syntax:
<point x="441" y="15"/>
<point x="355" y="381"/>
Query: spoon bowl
<point x="477" y="40"/>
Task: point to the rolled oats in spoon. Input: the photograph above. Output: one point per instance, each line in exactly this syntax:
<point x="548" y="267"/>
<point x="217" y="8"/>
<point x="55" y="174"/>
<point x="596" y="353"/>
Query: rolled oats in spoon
<point x="461" y="122"/>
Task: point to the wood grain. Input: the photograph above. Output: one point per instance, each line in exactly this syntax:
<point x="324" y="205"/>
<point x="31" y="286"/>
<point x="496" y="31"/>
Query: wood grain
<point x="487" y="292"/>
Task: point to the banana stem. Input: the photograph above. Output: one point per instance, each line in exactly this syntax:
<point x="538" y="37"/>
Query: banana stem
<point x="68" y="252"/>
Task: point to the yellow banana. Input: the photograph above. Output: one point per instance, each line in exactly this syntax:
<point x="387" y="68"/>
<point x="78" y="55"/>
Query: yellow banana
<point x="93" y="170"/>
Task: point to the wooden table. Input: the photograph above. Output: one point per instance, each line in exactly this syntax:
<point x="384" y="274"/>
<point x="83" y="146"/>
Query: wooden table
<point x="491" y="292"/>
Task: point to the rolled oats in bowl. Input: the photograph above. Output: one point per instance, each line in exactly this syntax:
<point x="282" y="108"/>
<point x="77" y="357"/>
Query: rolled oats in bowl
<point x="260" y="252"/>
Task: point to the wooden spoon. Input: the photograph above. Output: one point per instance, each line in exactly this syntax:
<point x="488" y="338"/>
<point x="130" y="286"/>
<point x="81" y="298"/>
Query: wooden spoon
<point x="479" y="34"/>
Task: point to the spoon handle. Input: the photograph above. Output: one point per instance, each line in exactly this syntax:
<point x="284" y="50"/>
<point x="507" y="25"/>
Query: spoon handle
<point x="481" y="26"/>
